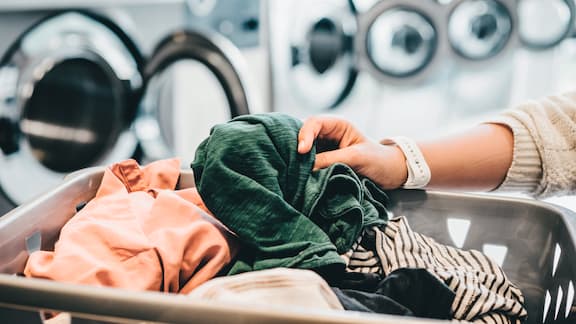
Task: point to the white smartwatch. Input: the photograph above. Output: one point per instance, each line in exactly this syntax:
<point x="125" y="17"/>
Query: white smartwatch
<point x="418" y="171"/>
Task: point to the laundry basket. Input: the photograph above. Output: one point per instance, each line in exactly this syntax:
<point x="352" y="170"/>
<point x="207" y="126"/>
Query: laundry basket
<point x="533" y="241"/>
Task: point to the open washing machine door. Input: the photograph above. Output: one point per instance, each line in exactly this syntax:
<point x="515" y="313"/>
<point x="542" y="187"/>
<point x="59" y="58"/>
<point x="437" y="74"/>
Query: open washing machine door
<point x="193" y="80"/>
<point x="68" y="86"/>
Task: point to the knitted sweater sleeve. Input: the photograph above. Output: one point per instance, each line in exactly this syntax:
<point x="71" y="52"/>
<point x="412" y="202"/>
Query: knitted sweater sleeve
<point x="544" y="161"/>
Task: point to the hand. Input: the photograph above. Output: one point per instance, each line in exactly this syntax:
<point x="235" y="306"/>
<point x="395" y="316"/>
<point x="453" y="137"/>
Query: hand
<point x="337" y="140"/>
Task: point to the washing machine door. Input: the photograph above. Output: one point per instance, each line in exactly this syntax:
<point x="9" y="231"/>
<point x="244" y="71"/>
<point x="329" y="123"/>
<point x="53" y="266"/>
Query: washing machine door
<point x="194" y="79"/>
<point x="544" y="24"/>
<point x="67" y="91"/>
<point x="322" y="71"/>
<point x="481" y="29"/>
<point x="401" y="41"/>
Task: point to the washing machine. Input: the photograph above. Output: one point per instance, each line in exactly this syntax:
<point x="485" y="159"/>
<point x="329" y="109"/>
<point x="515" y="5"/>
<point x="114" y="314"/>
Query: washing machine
<point x="411" y="67"/>
<point x="86" y="84"/>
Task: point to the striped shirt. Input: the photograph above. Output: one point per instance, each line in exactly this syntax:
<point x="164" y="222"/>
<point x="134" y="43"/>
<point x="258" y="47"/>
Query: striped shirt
<point x="483" y="292"/>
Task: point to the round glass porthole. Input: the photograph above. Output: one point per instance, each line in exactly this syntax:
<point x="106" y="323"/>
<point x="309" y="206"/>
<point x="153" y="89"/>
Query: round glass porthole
<point x="401" y="42"/>
<point x="479" y="29"/>
<point x="544" y="23"/>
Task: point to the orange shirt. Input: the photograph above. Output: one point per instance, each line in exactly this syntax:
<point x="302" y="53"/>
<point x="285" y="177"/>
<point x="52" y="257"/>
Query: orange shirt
<point x="138" y="233"/>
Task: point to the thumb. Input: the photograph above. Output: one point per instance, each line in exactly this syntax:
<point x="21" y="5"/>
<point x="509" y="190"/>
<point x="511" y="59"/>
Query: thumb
<point x="326" y="159"/>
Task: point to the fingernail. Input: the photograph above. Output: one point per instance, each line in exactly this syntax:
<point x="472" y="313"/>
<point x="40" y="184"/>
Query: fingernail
<point x="300" y="146"/>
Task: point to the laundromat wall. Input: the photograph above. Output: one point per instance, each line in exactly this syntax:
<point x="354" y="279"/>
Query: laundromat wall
<point x="86" y="83"/>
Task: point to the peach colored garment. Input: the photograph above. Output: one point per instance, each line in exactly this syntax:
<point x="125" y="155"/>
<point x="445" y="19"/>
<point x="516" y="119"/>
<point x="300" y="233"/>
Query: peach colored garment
<point x="138" y="233"/>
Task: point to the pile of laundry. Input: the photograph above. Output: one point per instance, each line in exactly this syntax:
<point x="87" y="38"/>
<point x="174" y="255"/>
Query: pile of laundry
<point x="261" y="227"/>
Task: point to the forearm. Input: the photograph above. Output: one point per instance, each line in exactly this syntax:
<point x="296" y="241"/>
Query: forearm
<point x="477" y="159"/>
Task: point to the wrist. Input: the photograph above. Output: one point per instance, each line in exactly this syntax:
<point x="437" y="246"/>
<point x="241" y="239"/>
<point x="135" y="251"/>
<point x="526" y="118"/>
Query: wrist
<point x="415" y="170"/>
<point x="399" y="175"/>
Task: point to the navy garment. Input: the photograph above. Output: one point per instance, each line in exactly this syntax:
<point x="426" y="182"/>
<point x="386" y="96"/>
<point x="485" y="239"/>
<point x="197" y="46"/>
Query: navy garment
<point x="251" y="177"/>
<point x="406" y="291"/>
<point x="360" y="301"/>
<point x="367" y="282"/>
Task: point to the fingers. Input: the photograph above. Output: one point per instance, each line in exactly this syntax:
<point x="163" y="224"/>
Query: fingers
<point x="327" y="127"/>
<point x="307" y="135"/>
<point x="326" y="159"/>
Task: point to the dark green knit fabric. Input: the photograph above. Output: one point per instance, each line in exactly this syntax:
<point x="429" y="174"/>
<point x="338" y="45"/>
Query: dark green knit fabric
<point x="250" y="176"/>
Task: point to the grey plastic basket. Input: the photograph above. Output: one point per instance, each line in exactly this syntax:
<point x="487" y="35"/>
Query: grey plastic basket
<point x="534" y="241"/>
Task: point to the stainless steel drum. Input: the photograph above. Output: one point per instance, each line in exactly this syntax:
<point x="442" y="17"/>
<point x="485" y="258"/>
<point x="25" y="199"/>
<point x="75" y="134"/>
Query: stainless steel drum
<point x="69" y="87"/>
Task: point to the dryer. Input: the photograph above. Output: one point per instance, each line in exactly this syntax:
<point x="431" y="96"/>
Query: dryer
<point x="90" y="84"/>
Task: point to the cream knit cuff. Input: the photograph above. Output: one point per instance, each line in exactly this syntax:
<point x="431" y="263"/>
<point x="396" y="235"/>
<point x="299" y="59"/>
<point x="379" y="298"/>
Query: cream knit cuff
<point x="525" y="172"/>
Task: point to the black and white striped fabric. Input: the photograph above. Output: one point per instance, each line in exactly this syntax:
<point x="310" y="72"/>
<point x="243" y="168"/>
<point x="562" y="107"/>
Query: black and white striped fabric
<point x="483" y="292"/>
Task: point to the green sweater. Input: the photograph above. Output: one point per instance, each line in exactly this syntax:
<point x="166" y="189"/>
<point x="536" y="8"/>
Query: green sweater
<point x="250" y="176"/>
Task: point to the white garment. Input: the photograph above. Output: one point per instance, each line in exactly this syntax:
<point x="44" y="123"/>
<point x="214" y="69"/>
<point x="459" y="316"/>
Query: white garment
<point x="271" y="287"/>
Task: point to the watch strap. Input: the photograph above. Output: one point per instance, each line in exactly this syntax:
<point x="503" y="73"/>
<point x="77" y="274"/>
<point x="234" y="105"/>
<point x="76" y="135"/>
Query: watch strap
<point x="419" y="174"/>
